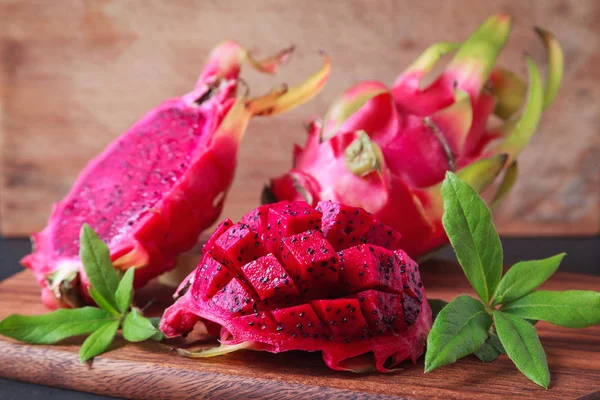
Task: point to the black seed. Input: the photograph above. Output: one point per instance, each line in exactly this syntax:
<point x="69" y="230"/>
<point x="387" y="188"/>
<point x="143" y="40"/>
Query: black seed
<point x="310" y="324"/>
<point x="361" y="273"/>
<point x="301" y="314"/>
<point x="346" y="340"/>
<point x="299" y="326"/>
<point x="328" y="308"/>
<point x="294" y="335"/>
<point x="374" y="312"/>
<point x="353" y="309"/>
<point x="344" y="320"/>
<point x="279" y="328"/>
<point x="251" y="323"/>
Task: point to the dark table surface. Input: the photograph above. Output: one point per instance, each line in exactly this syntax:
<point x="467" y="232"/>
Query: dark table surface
<point x="583" y="256"/>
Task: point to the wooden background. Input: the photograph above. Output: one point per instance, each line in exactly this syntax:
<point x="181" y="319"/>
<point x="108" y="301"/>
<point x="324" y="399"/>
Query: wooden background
<point x="76" y="74"/>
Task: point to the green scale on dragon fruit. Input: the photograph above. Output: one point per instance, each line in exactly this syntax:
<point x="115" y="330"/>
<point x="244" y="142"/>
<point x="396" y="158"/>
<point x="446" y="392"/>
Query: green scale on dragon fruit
<point x="387" y="149"/>
<point x="161" y="183"/>
<point x="362" y="305"/>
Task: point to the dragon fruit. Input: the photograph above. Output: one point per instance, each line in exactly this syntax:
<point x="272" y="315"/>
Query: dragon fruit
<point x="290" y="277"/>
<point x="387" y="150"/>
<point x="154" y="189"/>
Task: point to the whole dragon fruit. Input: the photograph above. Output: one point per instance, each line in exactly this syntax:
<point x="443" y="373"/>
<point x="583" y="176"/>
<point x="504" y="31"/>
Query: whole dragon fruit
<point x="154" y="189"/>
<point x="293" y="277"/>
<point x="387" y="150"/>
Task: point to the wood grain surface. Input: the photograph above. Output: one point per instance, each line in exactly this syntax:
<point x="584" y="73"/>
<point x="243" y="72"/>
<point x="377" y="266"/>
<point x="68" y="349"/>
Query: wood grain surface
<point x="75" y="74"/>
<point x="152" y="370"/>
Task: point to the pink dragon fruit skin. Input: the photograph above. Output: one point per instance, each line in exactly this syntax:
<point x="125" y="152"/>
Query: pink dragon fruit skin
<point x="363" y="307"/>
<point x="160" y="184"/>
<point x="387" y="150"/>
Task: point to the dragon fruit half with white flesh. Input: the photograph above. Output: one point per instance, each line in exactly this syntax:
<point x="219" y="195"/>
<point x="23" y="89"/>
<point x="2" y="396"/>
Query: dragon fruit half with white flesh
<point x="292" y="277"/>
<point x="160" y="184"/>
<point x="387" y="149"/>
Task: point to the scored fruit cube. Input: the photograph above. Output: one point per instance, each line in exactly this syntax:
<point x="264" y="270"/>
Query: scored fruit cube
<point x="383" y="311"/>
<point x="301" y="322"/>
<point x="211" y="276"/>
<point x="342" y="316"/>
<point x="235" y="299"/>
<point x="270" y="280"/>
<point x="343" y="225"/>
<point x="286" y="219"/>
<point x="237" y="246"/>
<point x="370" y="267"/>
<point x="310" y="260"/>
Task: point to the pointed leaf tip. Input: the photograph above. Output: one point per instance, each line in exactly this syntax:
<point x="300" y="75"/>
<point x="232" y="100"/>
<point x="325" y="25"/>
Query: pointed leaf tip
<point x="475" y="59"/>
<point x="519" y="132"/>
<point x="555" y="65"/>
<point x="279" y="101"/>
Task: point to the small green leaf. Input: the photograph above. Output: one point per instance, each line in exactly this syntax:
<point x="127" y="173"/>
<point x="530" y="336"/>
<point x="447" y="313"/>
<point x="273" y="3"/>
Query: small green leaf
<point x="436" y="306"/>
<point x="571" y="309"/>
<point x="55" y="326"/>
<point x="459" y="330"/>
<point x="125" y="291"/>
<point x="95" y="258"/>
<point x="468" y="223"/>
<point x="137" y="328"/>
<point x="98" y="341"/>
<point x="525" y="276"/>
<point x="490" y="349"/>
<point x="523" y="346"/>
<point x="102" y="302"/>
<point x="158" y="336"/>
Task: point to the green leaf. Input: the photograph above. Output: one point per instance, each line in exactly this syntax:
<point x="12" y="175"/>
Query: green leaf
<point x="468" y="223"/>
<point x="95" y="258"/>
<point x="571" y="309"/>
<point x="459" y="330"/>
<point x="55" y="326"/>
<point x="102" y="302"/>
<point x="98" y="341"/>
<point x="523" y="346"/>
<point x="137" y="328"/>
<point x="125" y="291"/>
<point x="158" y="336"/>
<point x="436" y="306"/>
<point x="525" y="276"/>
<point x="490" y="349"/>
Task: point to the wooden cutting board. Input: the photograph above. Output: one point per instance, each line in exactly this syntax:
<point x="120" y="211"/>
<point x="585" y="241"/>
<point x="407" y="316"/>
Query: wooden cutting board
<point x="153" y="370"/>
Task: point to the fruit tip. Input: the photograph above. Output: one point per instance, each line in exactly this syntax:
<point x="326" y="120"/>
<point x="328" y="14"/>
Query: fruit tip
<point x="543" y="33"/>
<point x="503" y="158"/>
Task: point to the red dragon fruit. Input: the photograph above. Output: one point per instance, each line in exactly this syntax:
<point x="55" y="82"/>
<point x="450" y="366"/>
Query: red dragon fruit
<point x="387" y="150"/>
<point x="155" y="188"/>
<point x="291" y="277"/>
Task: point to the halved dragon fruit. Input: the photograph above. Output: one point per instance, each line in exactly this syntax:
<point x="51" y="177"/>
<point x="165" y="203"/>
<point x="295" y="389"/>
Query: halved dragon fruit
<point x="161" y="183"/>
<point x="285" y="281"/>
<point x="388" y="149"/>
